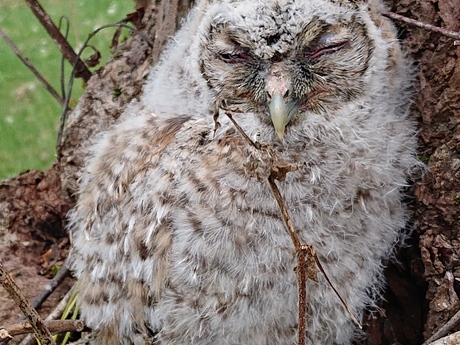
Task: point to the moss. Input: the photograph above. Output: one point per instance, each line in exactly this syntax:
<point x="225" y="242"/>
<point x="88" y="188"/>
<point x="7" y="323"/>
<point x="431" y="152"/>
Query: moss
<point x="424" y="159"/>
<point x="117" y="91"/>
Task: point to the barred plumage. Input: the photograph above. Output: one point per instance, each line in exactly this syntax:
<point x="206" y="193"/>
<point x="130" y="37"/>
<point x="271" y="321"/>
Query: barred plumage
<point x="175" y="243"/>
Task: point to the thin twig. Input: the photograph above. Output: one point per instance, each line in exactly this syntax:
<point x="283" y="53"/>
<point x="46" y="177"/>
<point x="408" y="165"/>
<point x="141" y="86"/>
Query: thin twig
<point x="285" y="213"/>
<point x="66" y="35"/>
<point x="345" y="305"/>
<point x="54" y="326"/>
<point x="41" y="331"/>
<point x="304" y="251"/>
<point x="446" y="328"/>
<point x="80" y="68"/>
<point x="445" y="32"/>
<point x="32" y="68"/>
<point x="308" y="264"/>
<point x="55" y="314"/>
<point x="71" y="306"/>
<point x="48" y="290"/>
<point x="72" y="75"/>
<point x="453" y="339"/>
<point x="301" y="270"/>
<point x="243" y="133"/>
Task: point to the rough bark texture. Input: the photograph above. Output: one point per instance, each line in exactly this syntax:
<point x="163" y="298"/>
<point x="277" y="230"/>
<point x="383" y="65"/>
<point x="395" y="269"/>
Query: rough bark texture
<point x="120" y="81"/>
<point x="438" y="195"/>
<point x="423" y="287"/>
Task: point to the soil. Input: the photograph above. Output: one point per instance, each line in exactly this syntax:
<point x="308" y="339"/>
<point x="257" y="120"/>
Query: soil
<point x="33" y="239"/>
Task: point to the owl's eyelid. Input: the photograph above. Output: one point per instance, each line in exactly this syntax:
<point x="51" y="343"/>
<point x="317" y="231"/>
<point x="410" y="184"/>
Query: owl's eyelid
<point x="328" y="49"/>
<point x="233" y="56"/>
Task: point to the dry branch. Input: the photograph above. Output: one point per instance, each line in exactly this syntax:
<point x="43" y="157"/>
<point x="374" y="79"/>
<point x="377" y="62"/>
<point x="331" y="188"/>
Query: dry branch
<point x="301" y="270"/>
<point x="41" y="331"/>
<point x="81" y="71"/>
<point x="54" y="326"/>
<point x="452" y="34"/>
<point x="48" y="290"/>
<point x="55" y="314"/>
<point x="453" y="339"/>
<point x="308" y="264"/>
<point x="441" y="332"/>
<point x="64" y="114"/>
<point x="32" y="68"/>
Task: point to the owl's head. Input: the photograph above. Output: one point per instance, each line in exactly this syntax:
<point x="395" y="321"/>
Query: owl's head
<point x="282" y="58"/>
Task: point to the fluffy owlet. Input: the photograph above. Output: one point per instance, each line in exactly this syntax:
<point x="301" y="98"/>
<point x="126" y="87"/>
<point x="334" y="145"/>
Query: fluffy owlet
<point x="177" y="236"/>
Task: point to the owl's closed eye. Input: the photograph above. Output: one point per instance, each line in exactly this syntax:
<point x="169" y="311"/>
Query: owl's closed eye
<point x="176" y="243"/>
<point x="317" y="68"/>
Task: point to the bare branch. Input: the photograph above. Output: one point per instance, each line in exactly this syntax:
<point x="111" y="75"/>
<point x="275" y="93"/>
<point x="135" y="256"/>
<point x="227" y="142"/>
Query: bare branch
<point x="454" y="320"/>
<point x="80" y="70"/>
<point x="48" y="290"/>
<point x="301" y="270"/>
<point x="453" y="339"/>
<point x="345" y="305"/>
<point x="243" y="133"/>
<point x="31" y="67"/>
<point x="445" y="32"/>
<point x="285" y="213"/>
<point x="303" y="253"/>
<point x="308" y="264"/>
<point x="54" y="326"/>
<point x="41" y="331"/>
<point x="62" y="20"/>
<point x="72" y="75"/>
<point x="55" y="314"/>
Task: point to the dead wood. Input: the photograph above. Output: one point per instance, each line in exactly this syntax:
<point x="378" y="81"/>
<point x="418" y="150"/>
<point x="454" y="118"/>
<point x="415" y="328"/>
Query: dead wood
<point x="81" y="70"/>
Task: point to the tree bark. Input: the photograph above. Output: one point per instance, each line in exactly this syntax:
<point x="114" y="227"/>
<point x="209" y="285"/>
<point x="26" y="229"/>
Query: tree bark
<point x="423" y="287"/>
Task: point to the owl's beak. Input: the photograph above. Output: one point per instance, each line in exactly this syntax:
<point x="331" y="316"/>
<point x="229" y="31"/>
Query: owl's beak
<point x="278" y="84"/>
<point x="281" y="113"/>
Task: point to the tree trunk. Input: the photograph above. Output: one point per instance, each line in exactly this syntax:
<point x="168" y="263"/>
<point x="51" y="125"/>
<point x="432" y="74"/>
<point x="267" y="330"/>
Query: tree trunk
<point x="422" y="287"/>
<point x="437" y="216"/>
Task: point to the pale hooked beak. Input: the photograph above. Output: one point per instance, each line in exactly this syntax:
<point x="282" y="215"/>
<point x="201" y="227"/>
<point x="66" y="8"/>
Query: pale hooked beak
<point x="278" y="85"/>
<point x="281" y="113"/>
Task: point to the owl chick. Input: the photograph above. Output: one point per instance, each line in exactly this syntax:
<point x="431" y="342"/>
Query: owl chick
<point x="175" y="242"/>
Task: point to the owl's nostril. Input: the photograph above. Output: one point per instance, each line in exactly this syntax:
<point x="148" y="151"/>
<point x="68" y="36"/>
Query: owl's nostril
<point x="278" y="81"/>
<point x="269" y="96"/>
<point x="285" y="95"/>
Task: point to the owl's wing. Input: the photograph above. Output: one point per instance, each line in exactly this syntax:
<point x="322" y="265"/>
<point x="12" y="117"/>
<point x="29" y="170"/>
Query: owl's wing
<point x="120" y="225"/>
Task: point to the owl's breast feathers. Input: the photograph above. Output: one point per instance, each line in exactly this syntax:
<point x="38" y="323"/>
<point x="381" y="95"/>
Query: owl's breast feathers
<point x="177" y="236"/>
<point x="167" y="209"/>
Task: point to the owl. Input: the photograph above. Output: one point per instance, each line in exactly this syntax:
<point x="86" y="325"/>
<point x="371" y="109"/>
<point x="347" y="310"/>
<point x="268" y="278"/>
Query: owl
<point x="177" y="236"/>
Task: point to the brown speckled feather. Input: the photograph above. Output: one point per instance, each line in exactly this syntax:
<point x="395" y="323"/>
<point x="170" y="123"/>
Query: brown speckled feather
<point x="177" y="238"/>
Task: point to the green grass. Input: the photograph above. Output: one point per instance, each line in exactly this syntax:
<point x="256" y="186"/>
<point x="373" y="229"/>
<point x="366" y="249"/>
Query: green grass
<point x="29" y="115"/>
